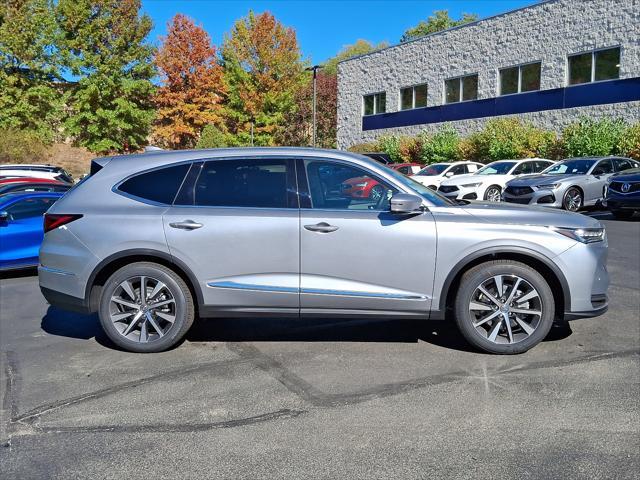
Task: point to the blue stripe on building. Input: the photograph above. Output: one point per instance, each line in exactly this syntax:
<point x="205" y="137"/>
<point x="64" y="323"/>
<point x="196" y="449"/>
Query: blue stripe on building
<point x="598" y="93"/>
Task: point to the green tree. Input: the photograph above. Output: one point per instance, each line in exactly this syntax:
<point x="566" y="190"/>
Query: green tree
<point x="263" y="70"/>
<point x="29" y="94"/>
<point x="348" y="51"/>
<point x="440" y="20"/>
<point x="442" y="146"/>
<point x="103" y="44"/>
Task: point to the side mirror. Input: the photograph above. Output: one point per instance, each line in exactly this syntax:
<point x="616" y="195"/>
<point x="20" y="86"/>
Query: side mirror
<point x="4" y="216"/>
<point x="448" y="174"/>
<point x="405" y="203"/>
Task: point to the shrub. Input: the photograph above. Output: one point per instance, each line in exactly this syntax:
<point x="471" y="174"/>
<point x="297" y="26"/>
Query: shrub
<point x="18" y="146"/>
<point x="629" y="145"/>
<point x="212" y="137"/>
<point x="391" y="146"/>
<point x="588" y="137"/>
<point x="365" y="147"/>
<point x="506" y="138"/>
<point x="410" y="149"/>
<point x="443" y="146"/>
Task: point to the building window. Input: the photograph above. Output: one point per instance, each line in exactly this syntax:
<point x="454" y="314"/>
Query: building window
<point x="594" y="66"/>
<point x="523" y="78"/>
<point x="375" y="103"/>
<point x="413" y="97"/>
<point x="461" y="89"/>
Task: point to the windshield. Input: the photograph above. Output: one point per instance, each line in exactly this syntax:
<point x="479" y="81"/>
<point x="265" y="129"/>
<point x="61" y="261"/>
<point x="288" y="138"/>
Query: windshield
<point x="425" y="192"/>
<point x="496" y="168"/>
<point x="568" y="167"/>
<point x="435" y="169"/>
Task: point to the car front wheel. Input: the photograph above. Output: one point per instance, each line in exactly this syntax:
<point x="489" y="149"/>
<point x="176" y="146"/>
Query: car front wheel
<point x="572" y="200"/>
<point x="493" y="194"/>
<point x="504" y="307"/>
<point x="146" y="307"/>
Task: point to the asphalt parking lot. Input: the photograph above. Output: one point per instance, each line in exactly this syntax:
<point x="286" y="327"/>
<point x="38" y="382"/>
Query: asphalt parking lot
<point x="323" y="398"/>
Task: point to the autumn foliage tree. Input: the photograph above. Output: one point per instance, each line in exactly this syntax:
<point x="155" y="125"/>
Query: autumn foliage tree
<point x="263" y="71"/>
<point x="192" y="90"/>
<point x="298" y="128"/>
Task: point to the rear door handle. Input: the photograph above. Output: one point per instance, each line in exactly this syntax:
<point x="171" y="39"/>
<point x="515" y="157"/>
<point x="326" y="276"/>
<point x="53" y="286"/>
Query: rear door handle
<point x="186" y="225"/>
<point x="322" y="227"/>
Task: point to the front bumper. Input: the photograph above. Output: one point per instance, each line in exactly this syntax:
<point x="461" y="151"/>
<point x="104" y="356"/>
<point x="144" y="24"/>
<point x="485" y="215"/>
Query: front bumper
<point x="617" y="201"/>
<point x="542" y="197"/>
<point x="462" y="193"/>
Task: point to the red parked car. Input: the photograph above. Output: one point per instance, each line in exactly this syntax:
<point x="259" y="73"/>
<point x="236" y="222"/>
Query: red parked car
<point x="365" y="187"/>
<point x="28" y="184"/>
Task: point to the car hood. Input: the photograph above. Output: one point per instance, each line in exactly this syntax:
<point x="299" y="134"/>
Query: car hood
<point x="472" y="178"/>
<point x="627" y="176"/>
<point x="516" y="214"/>
<point x="530" y="180"/>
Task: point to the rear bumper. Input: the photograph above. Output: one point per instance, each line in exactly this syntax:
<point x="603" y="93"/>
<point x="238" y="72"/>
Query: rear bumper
<point x="64" y="301"/>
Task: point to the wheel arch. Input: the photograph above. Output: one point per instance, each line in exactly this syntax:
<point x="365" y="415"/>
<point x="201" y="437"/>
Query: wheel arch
<point x="541" y="263"/>
<point x="109" y="265"/>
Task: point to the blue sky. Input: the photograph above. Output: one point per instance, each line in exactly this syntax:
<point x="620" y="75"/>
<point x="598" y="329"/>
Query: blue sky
<point x="322" y="26"/>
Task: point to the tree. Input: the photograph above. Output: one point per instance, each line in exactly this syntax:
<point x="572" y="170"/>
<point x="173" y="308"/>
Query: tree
<point x="359" y="48"/>
<point x="29" y="97"/>
<point x="192" y="90"/>
<point x="263" y="71"/>
<point x="440" y="20"/>
<point x="298" y="128"/>
<point x="103" y="44"/>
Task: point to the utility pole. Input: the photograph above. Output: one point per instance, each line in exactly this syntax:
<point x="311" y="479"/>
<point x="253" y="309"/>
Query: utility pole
<point x="314" y="69"/>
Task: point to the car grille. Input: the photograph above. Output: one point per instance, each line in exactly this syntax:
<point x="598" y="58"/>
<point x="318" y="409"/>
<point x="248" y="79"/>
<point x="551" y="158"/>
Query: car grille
<point x="448" y="188"/>
<point x="617" y="187"/>
<point x="517" y="191"/>
<point x="524" y="201"/>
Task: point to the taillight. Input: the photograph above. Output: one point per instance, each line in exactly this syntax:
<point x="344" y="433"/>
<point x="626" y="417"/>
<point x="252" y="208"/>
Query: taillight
<point x="54" y="220"/>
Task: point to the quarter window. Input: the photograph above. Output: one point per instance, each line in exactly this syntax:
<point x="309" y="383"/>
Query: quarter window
<point x="461" y="89"/>
<point x="413" y="97"/>
<point x="594" y="66"/>
<point x="342" y="187"/>
<point x="160" y="185"/>
<point x="375" y="103"/>
<point x="523" y="78"/>
<point x="248" y="183"/>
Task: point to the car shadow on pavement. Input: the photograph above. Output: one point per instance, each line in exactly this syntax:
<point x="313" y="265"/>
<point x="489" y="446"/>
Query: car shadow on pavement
<point x="440" y="333"/>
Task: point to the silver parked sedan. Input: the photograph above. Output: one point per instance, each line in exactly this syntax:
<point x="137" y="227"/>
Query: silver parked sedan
<point x="571" y="184"/>
<point x="151" y="241"/>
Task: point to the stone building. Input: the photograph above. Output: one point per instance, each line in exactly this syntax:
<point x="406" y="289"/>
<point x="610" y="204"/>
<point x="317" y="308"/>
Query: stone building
<point x="550" y="63"/>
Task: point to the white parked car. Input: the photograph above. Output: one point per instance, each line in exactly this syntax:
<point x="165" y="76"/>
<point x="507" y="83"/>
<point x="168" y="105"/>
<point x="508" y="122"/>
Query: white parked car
<point x="489" y="182"/>
<point x="35" y="171"/>
<point x="432" y="175"/>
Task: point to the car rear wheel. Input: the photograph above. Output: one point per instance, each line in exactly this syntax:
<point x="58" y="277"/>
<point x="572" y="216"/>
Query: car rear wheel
<point x="146" y="307"/>
<point x="493" y="194"/>
<point x="504" y="307"/>
<point x="622" y="214"/>
<point x="572" y="200"/>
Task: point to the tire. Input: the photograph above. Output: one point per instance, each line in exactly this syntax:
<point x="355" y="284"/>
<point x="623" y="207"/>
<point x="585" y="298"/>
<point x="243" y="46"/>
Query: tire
<point x="523" y="331"/>
<point x="622" y="214"/>
<point x="572" y="200"/>
<point x="154" y="334"/>
<point x="432" y="187"/>
<point x="492" y="194"/>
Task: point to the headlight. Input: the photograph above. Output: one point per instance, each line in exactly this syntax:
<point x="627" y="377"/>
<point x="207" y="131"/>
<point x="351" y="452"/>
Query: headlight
<point x="549" y="185"/>
<point x="472" y="185"/>
<point x="362" y="185"/>
<point x="583" y="235"/>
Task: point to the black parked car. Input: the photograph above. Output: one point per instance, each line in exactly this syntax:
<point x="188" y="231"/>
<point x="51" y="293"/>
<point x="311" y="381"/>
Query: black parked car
<point x="383" y="158"/>
<point x="623" y="194"/>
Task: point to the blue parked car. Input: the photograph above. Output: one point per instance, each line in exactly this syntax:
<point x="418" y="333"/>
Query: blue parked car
<point x="21" y="228"/>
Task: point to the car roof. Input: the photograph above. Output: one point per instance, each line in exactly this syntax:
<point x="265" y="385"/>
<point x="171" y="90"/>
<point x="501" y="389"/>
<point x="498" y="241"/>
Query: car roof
<point x="142" y="161"/>
<point x="17" y="166"/>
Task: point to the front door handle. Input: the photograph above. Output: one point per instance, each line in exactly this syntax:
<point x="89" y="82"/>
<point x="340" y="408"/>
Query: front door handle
<point x="322" y="227"/>
<point x="186" y="225"/>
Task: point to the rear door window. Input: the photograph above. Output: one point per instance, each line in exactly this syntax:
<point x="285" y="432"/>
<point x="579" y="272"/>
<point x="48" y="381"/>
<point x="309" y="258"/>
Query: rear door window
<point x="29" y="208"/>
<point x="249" y="183"/>
<point x="159" y="185"/>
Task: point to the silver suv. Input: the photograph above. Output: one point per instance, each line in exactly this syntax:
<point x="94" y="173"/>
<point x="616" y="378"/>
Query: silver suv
<point x="151" y="241"/>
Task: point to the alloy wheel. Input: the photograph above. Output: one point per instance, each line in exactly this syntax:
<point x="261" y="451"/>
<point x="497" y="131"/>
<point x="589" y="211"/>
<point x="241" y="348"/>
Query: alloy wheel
<point x="376" y="193"/>
<point x="493" y="194"/>
<point x="142" y="309"/>
<point x="505" y="309"/>
<point x="573" y="200"/>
